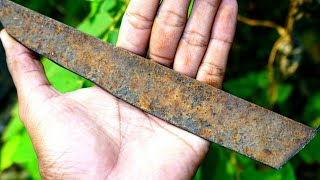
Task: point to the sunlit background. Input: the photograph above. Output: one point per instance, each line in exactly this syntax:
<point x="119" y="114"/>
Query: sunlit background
<point x="274" y="62"/>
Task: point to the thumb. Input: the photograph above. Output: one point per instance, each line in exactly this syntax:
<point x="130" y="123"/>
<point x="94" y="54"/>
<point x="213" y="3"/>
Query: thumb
<point x="27" y="72"/>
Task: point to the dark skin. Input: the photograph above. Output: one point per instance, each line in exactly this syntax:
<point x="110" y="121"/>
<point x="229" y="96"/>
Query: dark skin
<point x="89" y="134"/>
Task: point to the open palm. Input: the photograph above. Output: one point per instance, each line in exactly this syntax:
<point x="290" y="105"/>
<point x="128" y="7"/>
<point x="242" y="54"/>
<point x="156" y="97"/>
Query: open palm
<point x="91" y="134"/>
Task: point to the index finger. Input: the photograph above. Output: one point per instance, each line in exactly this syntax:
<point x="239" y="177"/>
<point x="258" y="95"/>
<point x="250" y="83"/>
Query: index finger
<point x="136" y="26"/>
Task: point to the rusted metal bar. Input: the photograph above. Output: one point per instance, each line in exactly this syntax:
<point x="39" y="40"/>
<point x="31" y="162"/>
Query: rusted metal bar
<point x="182" y="101"/>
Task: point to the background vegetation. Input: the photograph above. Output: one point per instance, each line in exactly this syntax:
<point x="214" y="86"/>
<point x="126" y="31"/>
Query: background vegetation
<point x="275" y="62"/>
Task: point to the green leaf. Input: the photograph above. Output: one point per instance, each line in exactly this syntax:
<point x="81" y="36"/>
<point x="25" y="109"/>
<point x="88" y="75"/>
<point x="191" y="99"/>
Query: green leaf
<point x="87" y="84"/>
<point x="26" y="151"/>
<point x="62" y="79"/>
<point x="283" y="92"/>
<point x="248" y="85"/>
<point x="99" y="20"/>
<point x="26" y="156"/>
<point x="198" y="175"/>
<point x="218" y="164"/>
<point x="312" y="108"/>
<point x="112" y="36"/>
<point x="17" y="148"/>
<point x="96" y="25"/>
<point x="11" y="139"/>
<point x="94" y="7"/>
<point x="251" y="173"/>
<point x="190" y="8"/>
<point x="14" y="127"/>
<point x="7" y="152"/>
<point x="244" y="160"/>
<point x="310" y="153"/>
<point x="315" y="123"/>
<point x="33" y="168"/>
<point x="107" y="5"/>
<point x="252" y="87"/>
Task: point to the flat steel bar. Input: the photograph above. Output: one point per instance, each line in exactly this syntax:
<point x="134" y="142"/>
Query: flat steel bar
<point x="182" y="101"/>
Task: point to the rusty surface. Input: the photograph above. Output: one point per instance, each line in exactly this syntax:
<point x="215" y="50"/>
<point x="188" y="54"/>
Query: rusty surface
<point x="189" y="104"/>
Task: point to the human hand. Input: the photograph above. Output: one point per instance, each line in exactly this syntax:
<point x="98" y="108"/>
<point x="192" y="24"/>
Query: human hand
<point x="89" y="133"/>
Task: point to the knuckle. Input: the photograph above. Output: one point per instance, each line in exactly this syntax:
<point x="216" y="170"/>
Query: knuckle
<point x="225" y="39"/>
<point x="195" y="39"/>
<point x="212" y="3"/>
<point x="213" y="70"/>
<point x="172" y="19"/>
<point x="217" y="83"/>
<point x="19" y="58"/>
<point x="18" y="65"/>
<point x="15" y="64"/>
<point x="28" y="54"/>
<point x="160" y="59"/>
<point x="138" y="20"/>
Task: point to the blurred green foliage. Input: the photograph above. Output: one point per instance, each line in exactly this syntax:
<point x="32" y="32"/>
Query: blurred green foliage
<point x="297" y="96"/>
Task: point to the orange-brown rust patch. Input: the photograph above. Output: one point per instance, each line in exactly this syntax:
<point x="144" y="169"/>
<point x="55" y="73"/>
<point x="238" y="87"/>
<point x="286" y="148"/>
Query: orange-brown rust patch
<point x="206" y="132"/>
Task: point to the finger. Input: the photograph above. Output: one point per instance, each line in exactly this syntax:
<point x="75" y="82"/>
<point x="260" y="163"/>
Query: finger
<point x="196" y="36"/>
<point x="27" y="72"/>
<point x="213" y="66"/>
<point x="136" y="26"/>
<point x="167" y="30"/>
